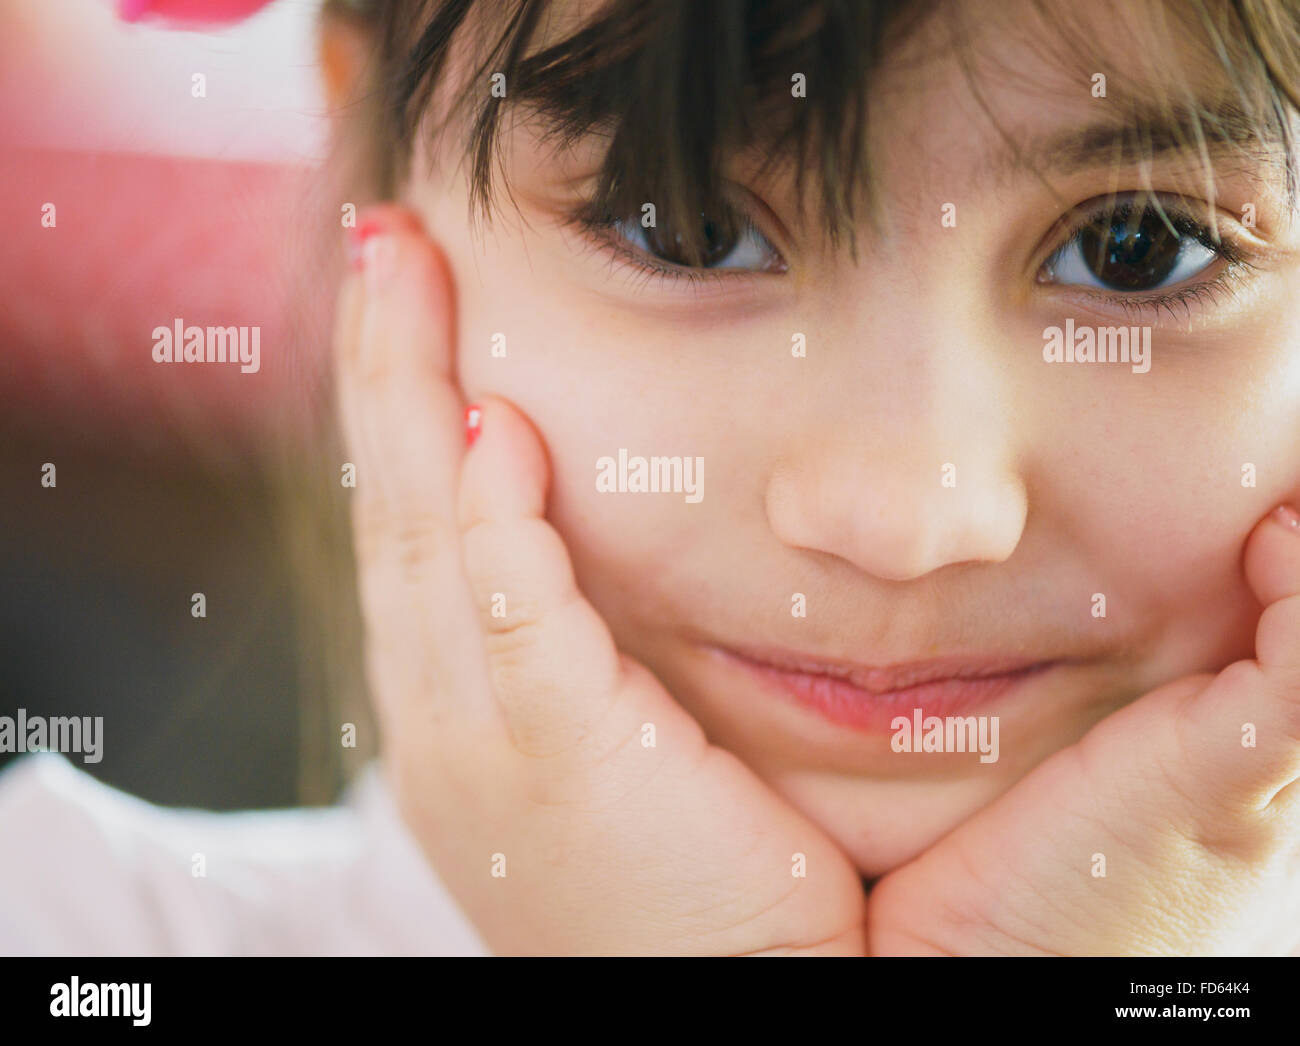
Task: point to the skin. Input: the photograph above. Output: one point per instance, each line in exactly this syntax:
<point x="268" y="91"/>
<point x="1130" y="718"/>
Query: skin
<point x="519" y="738"/>
<point x="822" y="477"/>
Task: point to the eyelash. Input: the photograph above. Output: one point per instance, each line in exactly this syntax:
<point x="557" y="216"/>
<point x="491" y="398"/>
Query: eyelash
<point x="598" y="231"/>
<point x="1236" y="259"/>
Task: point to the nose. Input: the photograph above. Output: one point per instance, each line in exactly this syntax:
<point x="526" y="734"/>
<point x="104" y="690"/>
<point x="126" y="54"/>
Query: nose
<point x="925" y="481"/>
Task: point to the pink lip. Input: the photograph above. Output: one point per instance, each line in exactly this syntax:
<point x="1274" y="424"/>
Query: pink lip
<point x="867" y="698"/>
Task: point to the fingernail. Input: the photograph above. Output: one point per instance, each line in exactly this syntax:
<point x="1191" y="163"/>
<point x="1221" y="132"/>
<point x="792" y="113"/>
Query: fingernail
<point x="1287" y="516"/>
<point x="362" y="252"/>
<point x="356" y="239"/>
<point x="473" y="424"/>
<point x="378" y="259"/>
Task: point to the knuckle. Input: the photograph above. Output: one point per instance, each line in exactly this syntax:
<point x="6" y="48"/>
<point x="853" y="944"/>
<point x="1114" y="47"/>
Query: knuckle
<point x="412" y="537"/>
<point x="509" y="639"/>
<point x="415" y="543"/>
<point x="519" y="571"/>
<point x="1238" y="677"/>
<point x="1276" y="636"/>
<point x="1239" y="840"/>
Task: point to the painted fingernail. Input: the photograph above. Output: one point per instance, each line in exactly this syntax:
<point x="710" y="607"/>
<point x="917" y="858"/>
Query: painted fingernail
<point x="473" y="423"/>
<point x="364" y="250"/>
<point x="1287" y="516"/>
<point x="378" y="259"/>
<point x="356" y="238"/>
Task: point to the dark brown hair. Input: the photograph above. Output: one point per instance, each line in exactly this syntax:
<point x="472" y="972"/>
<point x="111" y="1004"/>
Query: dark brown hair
<point x="678" y="85"/>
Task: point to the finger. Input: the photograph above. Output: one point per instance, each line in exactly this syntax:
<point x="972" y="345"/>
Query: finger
<point x="551" y="658"/>
<point x="1272" y="566"/>
<point x="1249" y="715"/>
<point x="402" y="421"/>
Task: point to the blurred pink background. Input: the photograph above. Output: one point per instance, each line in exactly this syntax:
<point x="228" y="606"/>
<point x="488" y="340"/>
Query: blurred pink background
<point x="168" y="206"/>
<point x="211" y="210"/>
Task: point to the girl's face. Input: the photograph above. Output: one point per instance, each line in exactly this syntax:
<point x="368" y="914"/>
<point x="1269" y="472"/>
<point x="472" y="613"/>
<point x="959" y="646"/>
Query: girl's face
<point x="922" y="476"/>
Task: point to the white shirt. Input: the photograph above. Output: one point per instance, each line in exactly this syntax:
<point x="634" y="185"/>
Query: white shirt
<point x="86" y="869"/>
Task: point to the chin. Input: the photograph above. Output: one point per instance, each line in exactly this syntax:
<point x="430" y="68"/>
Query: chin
<point x="882" y="825"/>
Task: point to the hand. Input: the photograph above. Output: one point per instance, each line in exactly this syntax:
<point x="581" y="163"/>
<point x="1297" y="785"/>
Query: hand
<point x="518" y="744"/>
<point x="1200" y="834"/>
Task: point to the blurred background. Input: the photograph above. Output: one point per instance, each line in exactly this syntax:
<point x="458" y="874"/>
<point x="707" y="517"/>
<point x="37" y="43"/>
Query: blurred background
<point x="183" y="160"/>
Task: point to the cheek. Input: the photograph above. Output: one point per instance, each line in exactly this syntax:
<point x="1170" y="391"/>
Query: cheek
<point x="589" y="391"/>
<point x="592" y="379"/>
<point x="1168" y="480"/>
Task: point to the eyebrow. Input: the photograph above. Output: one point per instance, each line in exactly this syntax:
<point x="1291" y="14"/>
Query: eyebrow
<point x="1158" y="134"/>
<point x="1147" y="134"/>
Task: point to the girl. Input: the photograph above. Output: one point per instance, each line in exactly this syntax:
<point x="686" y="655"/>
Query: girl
<point x="824" y="476"/>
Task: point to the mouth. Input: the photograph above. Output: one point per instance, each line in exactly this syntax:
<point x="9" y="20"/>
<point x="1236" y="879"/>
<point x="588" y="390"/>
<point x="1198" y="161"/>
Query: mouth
<point x="867" y="698"/>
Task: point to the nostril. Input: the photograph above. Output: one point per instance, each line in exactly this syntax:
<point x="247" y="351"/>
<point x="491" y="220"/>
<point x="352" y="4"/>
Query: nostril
<point x="890" y="525"/>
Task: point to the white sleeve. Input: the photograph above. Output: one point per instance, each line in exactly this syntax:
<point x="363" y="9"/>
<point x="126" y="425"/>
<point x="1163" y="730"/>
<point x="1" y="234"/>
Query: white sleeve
<point x="86" y="869"/>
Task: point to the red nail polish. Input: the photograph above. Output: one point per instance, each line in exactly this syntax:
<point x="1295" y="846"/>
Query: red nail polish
<point x="357" y="237"/>
<point x="1287" y="516"/>
<point x="473" y="424"/>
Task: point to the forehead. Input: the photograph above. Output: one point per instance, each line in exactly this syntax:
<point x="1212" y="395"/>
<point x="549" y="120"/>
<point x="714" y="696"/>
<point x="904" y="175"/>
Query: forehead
<point x="987" y="94"/>
<point x="1015" y="75"/>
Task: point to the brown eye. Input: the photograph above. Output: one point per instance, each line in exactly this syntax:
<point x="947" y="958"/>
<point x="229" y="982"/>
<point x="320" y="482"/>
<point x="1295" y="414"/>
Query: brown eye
<point x="1129" y="255"/>
<point x="725" y="240"/>
<point x="714" y="238"/>
<point x="1128" y="250"/>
